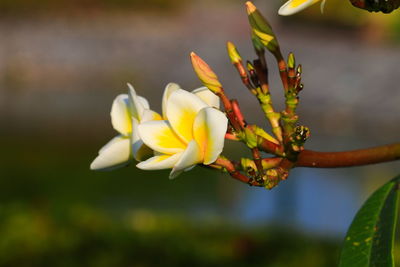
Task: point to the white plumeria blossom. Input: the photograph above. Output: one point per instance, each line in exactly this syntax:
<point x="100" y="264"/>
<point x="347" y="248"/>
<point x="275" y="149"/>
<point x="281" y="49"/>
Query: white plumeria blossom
<point x="293" y="6"/>
<point x="203" y="93"/>
<point x="192" y="132"/>
<point x="127" y="112"/>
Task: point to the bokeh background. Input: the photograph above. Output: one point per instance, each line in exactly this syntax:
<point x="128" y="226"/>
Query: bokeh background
<point x="63" y="62"/>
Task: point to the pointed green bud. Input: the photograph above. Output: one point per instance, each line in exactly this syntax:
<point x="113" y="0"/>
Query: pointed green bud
<point x="267" y="40"/>
<point x="249" y="66"/>
<point x="258" y="45"/>
<point x="259" y="23"/>
<point x="256" y="19"/>
<point x="260" y="132"/>
<point x="291" y="63"/>
<point x="248" y="165"/>
<point x="233" y="53"/>
<point x="299" y="69"/>
<point x="250" y="137"/>
<point x="205" y="74"/>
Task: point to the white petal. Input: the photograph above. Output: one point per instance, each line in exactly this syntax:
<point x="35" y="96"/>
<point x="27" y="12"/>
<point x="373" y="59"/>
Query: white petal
<point x="140" y="151"/>
<point x="169" y="89"/>
<point x="207" y="96"/>
<point x="143" y="101"/>
<point x="110" y="143"/>
<point x="293" y="6"/>
<point x="135" y="131"/>
<point x="159" y="136"/>
<point x="323" y="6"/>
<point x="159" y="162"/>
<point x="149" y="115"/>
<point x="120" y="115"/>
<point x="182" y="108"/>
<point x="137" y="103"/>
<point x="209" y="131"/>
<point x="189" y="158"/>
<point x="115" y="154"/>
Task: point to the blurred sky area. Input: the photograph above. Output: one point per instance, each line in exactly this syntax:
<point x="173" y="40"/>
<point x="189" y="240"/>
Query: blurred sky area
<point x="63" y="62"/>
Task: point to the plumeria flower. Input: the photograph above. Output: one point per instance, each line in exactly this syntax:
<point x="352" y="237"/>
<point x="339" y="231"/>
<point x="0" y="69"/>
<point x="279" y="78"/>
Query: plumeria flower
<point x="203" y="93"/>
<point x="191" y="133"/>
<point x="127" y="112"/>
<point x="293" y="6"/>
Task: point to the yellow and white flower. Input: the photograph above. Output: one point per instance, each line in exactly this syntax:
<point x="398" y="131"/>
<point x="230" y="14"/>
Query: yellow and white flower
<point x="127" y="112"/>
<point x="293" y="6"/>
<point x="203" y="93"/>
<point x="192" y="132"/>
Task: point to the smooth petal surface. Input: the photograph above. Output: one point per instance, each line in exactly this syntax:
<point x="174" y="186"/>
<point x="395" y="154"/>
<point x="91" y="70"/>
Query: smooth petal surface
<point x="139" y="150"/>
<point x="293" y="6"/>
<point x="159" y="136"/>
<point x="159" y="162"/>
<point x="209" y="130"/>
<point x="182" y="108"/>
<point x="149" y="115"/>
<point x="135" y="131"/>
<point x="137" y="103"/>
<point x="120" y="115"/>
<point x="114" y="154"/>
<point x="190" y="157"/>
<point x="169" y="89"/>
<point x="143" y="101"/>
<point x="207" y="96"/>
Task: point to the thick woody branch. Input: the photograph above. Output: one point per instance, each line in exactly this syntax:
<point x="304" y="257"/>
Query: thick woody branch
<point x="314" y="159"/>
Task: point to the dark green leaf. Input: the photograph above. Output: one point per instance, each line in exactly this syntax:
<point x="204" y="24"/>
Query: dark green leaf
<point x="369" y="240"/>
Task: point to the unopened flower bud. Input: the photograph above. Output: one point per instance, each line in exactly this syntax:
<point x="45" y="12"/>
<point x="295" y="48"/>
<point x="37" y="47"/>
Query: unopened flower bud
<point x="267" y="40"/>
<point x="233" y="53"/>
<point x="260" y="24"/>
<point x="249" y="66"/>
<point x="291" y="61"/>
<point x="205" y="74"/>
<point x="257" y="44"/>
<point x="299" y="69"/>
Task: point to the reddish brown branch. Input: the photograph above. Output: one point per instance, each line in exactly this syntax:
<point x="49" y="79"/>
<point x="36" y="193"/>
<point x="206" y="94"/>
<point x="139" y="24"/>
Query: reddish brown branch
<point x="309" y="158"/>
<point x="234" y="173"/>
<point x="270" y="147"/>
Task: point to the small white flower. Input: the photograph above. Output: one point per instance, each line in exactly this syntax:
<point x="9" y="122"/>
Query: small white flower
<point x="127" y="112"/>
<point x="293" y="6"/>
<point x="192" y="132"/>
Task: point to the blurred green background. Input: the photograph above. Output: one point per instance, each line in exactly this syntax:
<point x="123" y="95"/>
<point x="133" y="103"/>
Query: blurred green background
<point x="63" y="62"/>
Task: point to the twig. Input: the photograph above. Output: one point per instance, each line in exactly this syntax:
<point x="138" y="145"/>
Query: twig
<point x="314" y="159"/>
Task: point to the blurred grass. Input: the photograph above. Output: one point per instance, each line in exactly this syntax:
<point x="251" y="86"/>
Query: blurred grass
<point x="55" y="212"/>
<point x="86" y="236"/>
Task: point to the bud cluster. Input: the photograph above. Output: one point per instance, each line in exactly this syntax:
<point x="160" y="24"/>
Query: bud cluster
<point x="287" y="139"/>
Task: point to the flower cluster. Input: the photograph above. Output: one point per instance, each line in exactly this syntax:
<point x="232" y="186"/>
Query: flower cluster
<point x="191" y="128"/>
<point x="190" y="131"/>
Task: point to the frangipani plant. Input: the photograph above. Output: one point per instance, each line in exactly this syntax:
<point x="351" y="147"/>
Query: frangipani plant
<point x="192" y="130"/>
